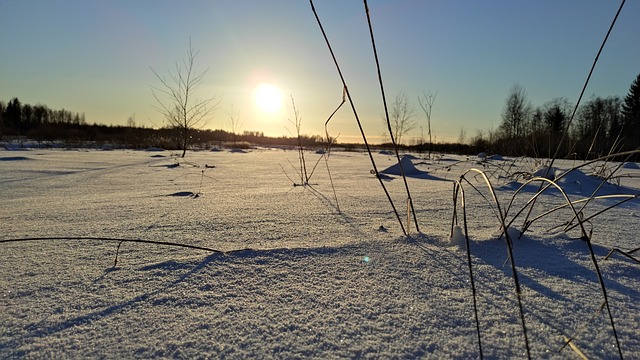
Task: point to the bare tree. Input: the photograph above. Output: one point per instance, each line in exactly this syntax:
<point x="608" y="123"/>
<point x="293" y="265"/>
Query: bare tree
<point x="515" y="113"/>
<point x="131" y="121"/>
<point x="176" y="99"/>
<point x="426" y="103"/>
<point x="402" y="117"/>
<point x="594" y="122"/>
<point x="297" y="122"/>
<point x="462" y="136"/>
<point x="236" y="124"/>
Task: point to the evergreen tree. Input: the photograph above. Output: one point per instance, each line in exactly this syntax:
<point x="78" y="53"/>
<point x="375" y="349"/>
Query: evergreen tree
<point x="631" y="115"/>
<point x="3" y="108"/>
<point x="14" y="114"/>
<point x="27" y="118"/>
<point x="555" y="119"/>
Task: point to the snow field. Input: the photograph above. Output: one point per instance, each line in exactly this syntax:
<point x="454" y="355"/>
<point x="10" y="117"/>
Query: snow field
<point x="313" y="282"/>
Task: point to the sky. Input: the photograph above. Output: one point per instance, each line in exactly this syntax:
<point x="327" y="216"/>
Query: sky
<point x="97" y="57"/>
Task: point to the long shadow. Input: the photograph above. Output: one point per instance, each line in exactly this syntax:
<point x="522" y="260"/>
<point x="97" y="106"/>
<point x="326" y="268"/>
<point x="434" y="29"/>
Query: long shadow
<point x="323" y="198"/>
<point x="550" y="261"/>
<point x="332" y="206"/>
<point x="47" y="174"/>
<point x="578" y="187"/>
<point x="38" y="331"/>
<point x="421" y="240"/>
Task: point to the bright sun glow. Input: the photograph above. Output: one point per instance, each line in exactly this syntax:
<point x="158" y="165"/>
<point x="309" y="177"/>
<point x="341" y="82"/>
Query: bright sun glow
<point x="268" y="97"/>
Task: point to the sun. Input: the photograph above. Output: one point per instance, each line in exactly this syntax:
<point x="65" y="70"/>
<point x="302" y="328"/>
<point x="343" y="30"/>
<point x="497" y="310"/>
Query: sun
<point x="268" y="97"/>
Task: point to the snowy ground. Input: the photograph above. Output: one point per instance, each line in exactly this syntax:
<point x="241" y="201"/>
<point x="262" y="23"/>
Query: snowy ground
<point x="312" y="281"/>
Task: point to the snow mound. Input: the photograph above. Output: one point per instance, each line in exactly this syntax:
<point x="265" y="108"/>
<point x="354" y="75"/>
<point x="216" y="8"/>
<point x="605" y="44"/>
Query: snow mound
<point x="457" y="238"/>
<point x="542" y="170"/>
<point x="577" y="182"/>
<point x="514" y="233"/>
<point x="407" y="165"/>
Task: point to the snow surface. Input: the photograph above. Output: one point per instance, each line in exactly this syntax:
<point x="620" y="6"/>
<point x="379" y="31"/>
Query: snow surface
<point x="300" y="278"/>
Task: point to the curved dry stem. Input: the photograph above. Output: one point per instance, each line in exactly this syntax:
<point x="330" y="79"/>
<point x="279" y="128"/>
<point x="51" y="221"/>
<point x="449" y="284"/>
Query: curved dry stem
<point x="483" y="196"/>
<point x="560" y="207"/>
<point x="624" y="253"/>
<point x="509" y="244"/>
<point x="327" y="152"/>
<point x="457" y="188"/>
<point x="454" y="217"/>
<point x="604" y="181"/>
<point x="587" y="239"/>
<point x="544" y="187"/>
<point x="628" y="197"/>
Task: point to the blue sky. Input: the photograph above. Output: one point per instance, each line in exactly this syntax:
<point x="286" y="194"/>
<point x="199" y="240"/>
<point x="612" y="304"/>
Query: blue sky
<point x="95" y="57"/>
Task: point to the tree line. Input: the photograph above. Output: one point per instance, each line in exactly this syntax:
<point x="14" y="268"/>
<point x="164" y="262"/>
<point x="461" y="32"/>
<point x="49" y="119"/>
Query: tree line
<point x="600" y="126"/>
<point x="41" y="124"/>
<point x="19" y="119"/>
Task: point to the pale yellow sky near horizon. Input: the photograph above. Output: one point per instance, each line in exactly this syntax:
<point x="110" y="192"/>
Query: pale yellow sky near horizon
<point x="95" y="57"/>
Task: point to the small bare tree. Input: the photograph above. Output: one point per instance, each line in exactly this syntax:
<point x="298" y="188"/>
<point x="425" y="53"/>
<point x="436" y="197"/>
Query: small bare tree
<point x="402" y="117"/>
<point x="515" y="113"/>
<point x="131" y="121"/>
<point x="236" y="124"/>
<point x="462" y="136"/>
<point x="175" y="98"/>
<point x="304" y="177"/>
<point x="426" y="103"/>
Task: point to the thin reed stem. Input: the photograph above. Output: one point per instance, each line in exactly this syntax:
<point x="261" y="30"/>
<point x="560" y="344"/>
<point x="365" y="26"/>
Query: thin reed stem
<point x="575" y="109"/>
<point x="509" y="243"/>
<point x="587" y="238"/>
<point x="458" y="188"/>
<point x="386" y="113"/>
<point x="355" y="113"/>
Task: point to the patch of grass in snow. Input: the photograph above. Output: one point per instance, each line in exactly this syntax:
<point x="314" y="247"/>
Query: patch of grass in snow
<point x="577" y="218"/>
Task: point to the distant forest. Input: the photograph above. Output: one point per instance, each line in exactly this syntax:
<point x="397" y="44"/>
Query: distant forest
<point x="38" y="123"/>
<point x="600" y="126"/>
